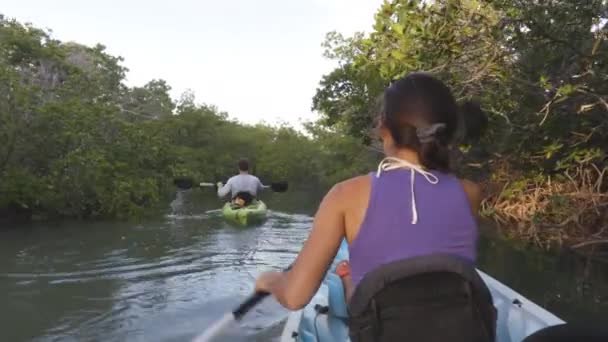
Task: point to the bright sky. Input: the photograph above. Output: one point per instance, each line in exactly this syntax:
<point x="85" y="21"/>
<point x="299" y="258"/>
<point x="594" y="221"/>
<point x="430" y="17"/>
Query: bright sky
<point x="256" y="59"/>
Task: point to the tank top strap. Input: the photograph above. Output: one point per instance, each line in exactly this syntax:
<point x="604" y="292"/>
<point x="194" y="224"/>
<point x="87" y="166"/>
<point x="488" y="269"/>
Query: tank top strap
<point x="374" y="194"/>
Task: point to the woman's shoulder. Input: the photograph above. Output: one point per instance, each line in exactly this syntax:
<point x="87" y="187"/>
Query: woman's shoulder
<point x="470" y="186"/>
<point x="354" y="183"/>
<point x="473" y="192"/>
<point x="351" y="187"/>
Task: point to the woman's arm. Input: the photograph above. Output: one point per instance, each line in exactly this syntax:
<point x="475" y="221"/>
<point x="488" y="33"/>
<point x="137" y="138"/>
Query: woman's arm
<point x="295" y="288"/>
<point x="474" y="194"/>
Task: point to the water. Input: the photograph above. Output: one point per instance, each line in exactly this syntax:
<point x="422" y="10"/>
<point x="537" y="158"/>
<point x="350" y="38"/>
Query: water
<point x="168" y="278"/>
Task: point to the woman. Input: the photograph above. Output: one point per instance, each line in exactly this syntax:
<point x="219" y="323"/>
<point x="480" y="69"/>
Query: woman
<point x="412" y="206"/>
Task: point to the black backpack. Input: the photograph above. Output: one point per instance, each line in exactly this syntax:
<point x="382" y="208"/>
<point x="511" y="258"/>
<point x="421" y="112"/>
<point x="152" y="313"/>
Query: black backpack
<point x="428" y="298"/>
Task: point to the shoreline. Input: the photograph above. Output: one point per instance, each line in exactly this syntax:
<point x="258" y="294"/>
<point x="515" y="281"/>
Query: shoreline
<point x="551" y="212"/>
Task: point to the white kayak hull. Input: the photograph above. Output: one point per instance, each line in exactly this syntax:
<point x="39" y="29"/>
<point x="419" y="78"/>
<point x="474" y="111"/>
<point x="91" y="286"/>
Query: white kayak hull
<point x="518" y="317"/>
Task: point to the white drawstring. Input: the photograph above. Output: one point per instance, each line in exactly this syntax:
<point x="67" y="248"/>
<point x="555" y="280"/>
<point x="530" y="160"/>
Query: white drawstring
<point x="392" y="163"/>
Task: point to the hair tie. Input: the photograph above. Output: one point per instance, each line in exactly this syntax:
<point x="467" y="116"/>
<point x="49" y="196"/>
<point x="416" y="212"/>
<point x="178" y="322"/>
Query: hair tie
<point x="427" y="134"/>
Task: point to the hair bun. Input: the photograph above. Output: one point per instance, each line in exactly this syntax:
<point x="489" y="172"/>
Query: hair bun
<point x="428" y="134"/>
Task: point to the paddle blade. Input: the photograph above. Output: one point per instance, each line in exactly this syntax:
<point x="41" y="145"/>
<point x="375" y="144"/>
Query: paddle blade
<point x="183" y="183"/>
<point x="279" y="186"/>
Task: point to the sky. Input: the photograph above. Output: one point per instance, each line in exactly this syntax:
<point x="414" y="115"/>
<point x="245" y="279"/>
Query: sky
<point x="255" y="59"/>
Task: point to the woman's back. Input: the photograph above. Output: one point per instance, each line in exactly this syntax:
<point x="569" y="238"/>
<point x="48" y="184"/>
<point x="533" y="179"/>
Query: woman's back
<point x="386" y="232"/>
<point x="402" y="212"/>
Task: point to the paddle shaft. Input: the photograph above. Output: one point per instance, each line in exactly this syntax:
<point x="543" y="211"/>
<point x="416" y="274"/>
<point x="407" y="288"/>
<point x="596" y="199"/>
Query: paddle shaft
<point x="248" y="304"/>
<point x="186" y="183"/>
<point x="252" y="301"/>
<point x="236" y="315"/>
<point x="229" y="319"/>
<point x="207" y="184"/>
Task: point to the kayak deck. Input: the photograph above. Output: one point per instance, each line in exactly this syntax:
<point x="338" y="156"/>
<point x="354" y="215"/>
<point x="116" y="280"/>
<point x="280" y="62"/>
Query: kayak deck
<point x="253" y="213"/>
<point x="517" y="316"/>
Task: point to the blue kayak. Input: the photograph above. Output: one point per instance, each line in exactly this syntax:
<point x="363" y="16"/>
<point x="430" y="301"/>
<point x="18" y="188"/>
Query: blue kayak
<point x="517" y="316"/>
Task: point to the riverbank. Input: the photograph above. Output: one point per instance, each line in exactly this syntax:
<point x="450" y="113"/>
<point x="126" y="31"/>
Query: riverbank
<point x="551" y="211"/>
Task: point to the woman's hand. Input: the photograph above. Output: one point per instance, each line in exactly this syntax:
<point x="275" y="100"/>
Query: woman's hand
<point x="294" y="288"/>
<point x="268" y="281"/>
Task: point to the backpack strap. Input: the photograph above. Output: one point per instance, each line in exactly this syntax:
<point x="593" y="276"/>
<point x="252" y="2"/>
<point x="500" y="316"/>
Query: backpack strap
<point x="400" y="291"/>
<point x="378" y="279"/>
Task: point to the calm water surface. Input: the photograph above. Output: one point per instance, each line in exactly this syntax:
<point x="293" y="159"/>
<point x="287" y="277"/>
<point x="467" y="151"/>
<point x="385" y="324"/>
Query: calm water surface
<point x="167" y="279"/>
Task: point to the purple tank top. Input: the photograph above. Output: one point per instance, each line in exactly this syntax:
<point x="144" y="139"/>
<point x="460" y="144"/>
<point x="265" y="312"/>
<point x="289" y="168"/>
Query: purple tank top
<point x="445" y="221"/>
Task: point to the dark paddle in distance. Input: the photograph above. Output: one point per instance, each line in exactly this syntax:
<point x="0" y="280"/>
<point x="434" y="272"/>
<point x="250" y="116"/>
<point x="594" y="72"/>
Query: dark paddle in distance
<point x="186" y="183"/>
<point x="233" y="317"/>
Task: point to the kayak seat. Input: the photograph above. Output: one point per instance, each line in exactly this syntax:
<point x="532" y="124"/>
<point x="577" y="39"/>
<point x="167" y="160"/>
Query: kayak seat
<point x="336" y="300"/>
<point x="342" y="253"/>
<point x="428" y="298"/>
<point x="320" y="322"/>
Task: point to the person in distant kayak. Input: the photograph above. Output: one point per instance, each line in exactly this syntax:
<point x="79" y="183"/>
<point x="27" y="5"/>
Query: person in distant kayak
<point x="411" y="206"/>
<point x="243" y="187"/>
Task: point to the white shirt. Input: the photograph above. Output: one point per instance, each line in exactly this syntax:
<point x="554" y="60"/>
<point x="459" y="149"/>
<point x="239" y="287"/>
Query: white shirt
<point x="241" y="183"/>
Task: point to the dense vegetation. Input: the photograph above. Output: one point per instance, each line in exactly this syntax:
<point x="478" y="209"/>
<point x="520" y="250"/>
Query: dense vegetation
<point x="539" y="68"/>
<point x="75" y="141"/>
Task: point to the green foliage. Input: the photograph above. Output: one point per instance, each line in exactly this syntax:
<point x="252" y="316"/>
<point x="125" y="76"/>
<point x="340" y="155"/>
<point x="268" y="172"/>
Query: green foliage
<point x="340" y="156"/>
<point x="76" y="142"/>
<point x="539" y="68"/>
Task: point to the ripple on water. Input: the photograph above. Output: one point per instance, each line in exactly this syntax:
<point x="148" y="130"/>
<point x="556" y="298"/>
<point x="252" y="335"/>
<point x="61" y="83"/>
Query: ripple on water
<point x="168" y="280"/>
<point x="153" y="282"/>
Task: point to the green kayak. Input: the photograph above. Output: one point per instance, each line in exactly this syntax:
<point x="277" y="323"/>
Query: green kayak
<point x="253" y="213"/>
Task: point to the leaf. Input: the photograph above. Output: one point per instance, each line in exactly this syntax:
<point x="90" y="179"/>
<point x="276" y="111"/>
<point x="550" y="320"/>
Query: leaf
<point x="566" y="89"/>
<point x="398" y="28"/>
<point x="397" y="54"/>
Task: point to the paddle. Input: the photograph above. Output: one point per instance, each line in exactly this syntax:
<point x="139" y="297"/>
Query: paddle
<point x="186" y="183"/>
<point x="233" y="317"/>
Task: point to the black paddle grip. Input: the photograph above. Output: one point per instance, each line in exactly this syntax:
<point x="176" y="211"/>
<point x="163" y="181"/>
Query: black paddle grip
<point x="249" y="304"/>
<point x="252" y="301"/>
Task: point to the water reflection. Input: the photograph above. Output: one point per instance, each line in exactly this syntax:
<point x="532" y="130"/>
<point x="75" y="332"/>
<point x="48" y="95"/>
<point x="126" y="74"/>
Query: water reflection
<point x="166" y="279"/>
<point x="573" y="288"/>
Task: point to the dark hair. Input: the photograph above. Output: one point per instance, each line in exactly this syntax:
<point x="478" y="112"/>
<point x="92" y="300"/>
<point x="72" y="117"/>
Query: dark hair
<point x="243" y="165"/>
<point x="421" y="113"/>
